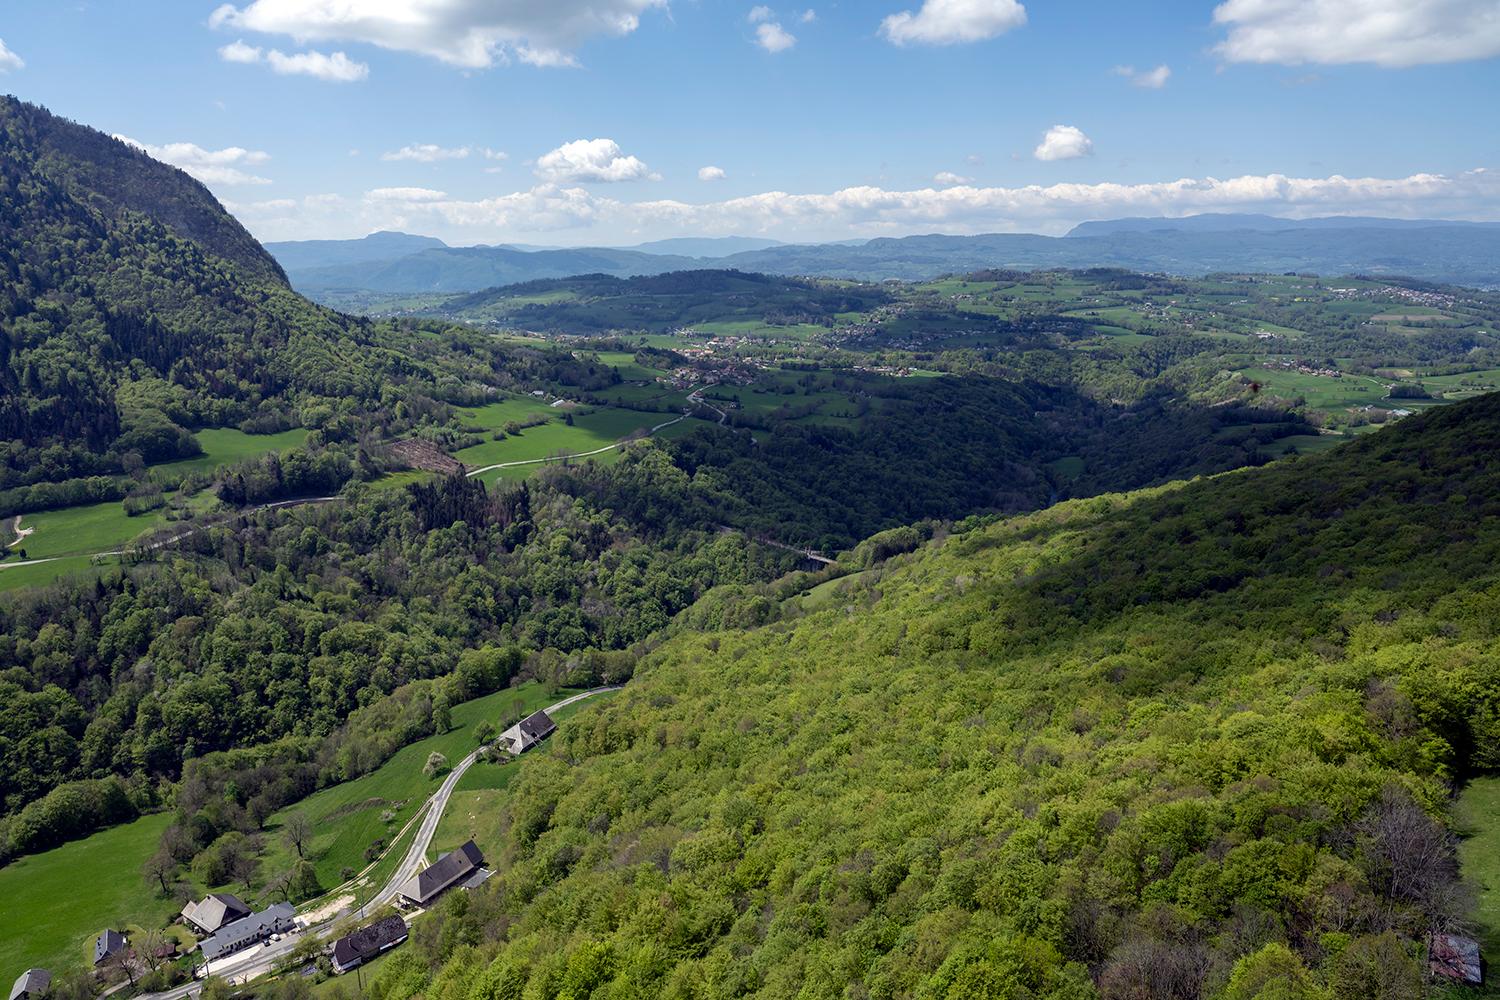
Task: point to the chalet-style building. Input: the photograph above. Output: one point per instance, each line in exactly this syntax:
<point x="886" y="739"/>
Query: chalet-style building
<point x="215" y="911"/>
<point x="107" y="945"/>
<point x="454" y="868"/>
<point x="364" y="944"/>
<point x="34" y="984"/>
<point x="528" y="732"/>
<point x="246" y="931"/>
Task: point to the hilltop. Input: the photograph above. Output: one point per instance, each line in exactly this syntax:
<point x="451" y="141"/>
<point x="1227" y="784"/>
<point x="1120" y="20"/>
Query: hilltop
<point x="1141" y="745"/>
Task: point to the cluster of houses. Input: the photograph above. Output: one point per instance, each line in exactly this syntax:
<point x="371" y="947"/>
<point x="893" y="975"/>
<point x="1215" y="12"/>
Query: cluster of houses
<point x="228" y="925"/>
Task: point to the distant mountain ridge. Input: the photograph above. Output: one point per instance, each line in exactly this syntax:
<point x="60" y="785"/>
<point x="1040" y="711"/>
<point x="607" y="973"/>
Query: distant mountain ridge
<point x="1233" y="222"/>
<point x="1464" y="253"/>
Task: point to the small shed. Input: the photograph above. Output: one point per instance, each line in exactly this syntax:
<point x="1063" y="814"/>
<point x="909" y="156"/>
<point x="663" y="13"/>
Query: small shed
<point x="1455" y="959"/>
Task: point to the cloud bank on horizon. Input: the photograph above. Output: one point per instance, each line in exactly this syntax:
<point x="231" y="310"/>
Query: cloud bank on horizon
<point x="956" y="207"/>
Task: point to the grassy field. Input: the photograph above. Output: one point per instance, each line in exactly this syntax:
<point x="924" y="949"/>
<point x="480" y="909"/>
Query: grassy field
<point x="589" y="431"/>
<point x="350" y="816"/>
<point x="16" y="577"/>
<point x="1477" y="816"/>
<point x="92" y="528"/>
<point x="494" y="416"/>
<point x="54" y="904"/>
<point x="222" y="445"/>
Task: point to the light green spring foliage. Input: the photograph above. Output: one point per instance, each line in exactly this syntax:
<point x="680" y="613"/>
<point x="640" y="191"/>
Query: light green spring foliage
<point x="1164" y="720"/>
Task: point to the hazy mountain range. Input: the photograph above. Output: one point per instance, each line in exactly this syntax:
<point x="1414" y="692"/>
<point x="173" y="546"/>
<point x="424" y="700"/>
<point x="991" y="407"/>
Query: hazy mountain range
<point x="1458" y="252"/>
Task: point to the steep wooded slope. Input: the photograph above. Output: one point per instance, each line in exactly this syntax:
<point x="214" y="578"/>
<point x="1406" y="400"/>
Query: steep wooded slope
<point x="1177" y="743"/>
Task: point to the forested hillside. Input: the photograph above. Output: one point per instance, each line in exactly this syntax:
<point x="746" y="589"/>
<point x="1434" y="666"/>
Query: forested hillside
<point x="1195" y="741"/>
<point x="135" y="308"/>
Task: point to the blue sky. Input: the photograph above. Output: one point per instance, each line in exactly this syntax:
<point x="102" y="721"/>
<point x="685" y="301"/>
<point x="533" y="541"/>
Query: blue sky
<point x="589" y="121"/>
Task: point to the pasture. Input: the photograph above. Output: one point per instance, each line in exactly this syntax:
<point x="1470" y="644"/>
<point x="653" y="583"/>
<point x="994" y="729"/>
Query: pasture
<point x="1477" y="819"/>
<point x="224" y="445"/>
<point x="56" y="902"/>
<point x="349" y="817"/>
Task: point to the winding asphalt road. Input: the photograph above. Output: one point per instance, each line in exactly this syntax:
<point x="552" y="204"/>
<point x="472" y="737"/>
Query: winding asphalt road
<point x="257" y="961"/>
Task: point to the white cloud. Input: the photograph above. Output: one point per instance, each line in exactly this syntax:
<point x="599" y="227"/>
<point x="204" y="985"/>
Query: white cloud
<point x="1064" y="142"/>
<point x="9" y="60"/>
<point x="590" y="160"/>
<point x="946" y="22"/>
<point x="495" y="154"/>
<point x="772" y="37"/>
<point x="334" y="67"/>
<point x="1391" y="33"/>
<point x="808" y="16"/>
<point x="871" y="211"/>
<point x="1150" y="79"/>
<point x="711" y="173"/>
<point x="759" y="14"/>
<point x="211" y="166"/>
<point x="426" y="152"/>
<point x="468" y="33"/>
<point x="405" y="194"/>
<point x="239" y="52"/>
<point x="948" y="178"/>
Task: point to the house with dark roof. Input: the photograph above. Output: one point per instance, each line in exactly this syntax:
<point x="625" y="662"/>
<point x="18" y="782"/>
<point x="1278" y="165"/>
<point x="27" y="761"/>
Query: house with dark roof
<point x="107" y="944"/>
<point x="214" y="911"/>
<point x="33" y="985"/>
<point x="367" y="942"/>
<point x="247" y="931"/>
<point x="528" y="732"/>
<point x="440" y="876"/>
<point x="1455" y="959"/>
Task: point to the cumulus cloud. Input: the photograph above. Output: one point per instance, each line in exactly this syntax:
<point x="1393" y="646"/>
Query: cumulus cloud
<point x="334" y="67"/>
<point x="948" y="178"/>
<point x="808" y="16"/>
<point x="9" y="60"/>
<point x="759" y="14"/>
<point x="1150" y="79"/>
<point x="211" y="166"/>
<point x="1391" y="33"/>
<point x="946" y="22"/>
<point x="470" y="33"/>
<point x="772" y="37"/>
<point x="1064" y="142"/>
<point x="590" y="160"/>
<point x="426" y="152"/>
<point x="711" y="173"/>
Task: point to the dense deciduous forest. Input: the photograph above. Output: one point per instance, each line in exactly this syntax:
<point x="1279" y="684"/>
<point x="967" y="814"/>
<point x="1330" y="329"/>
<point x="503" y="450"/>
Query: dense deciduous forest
<point x="1196" y="741"/>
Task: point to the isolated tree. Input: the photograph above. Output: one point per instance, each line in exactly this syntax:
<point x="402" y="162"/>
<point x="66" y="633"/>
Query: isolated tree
<point x="297" y="831"/>
<point x="484" y="732"/>
<point x="122" y="961"/>
<point x="436" y="765"/>
<point x="149" y="947"/>
<point x="160" y="868"/>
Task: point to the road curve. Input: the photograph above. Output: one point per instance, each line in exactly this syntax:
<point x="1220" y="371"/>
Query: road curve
<point x="257" y="961"/>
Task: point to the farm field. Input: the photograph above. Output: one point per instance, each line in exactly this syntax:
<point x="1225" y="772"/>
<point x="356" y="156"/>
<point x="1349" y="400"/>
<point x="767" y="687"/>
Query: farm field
<point x="494" y="416"/>
<point x="590" y="430"/>
<point x="98" y="527"/>
<point x="348" y="816"/>
<point x="16" y="577"/>
<point x="222" y="445"/>
<point x="56" y="902"/>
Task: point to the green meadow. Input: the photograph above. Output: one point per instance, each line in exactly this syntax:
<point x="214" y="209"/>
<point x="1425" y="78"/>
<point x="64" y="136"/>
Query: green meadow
<point x="224" y="445"/>
<point x="350" y="816"/>
<point x="52" y="905"/>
